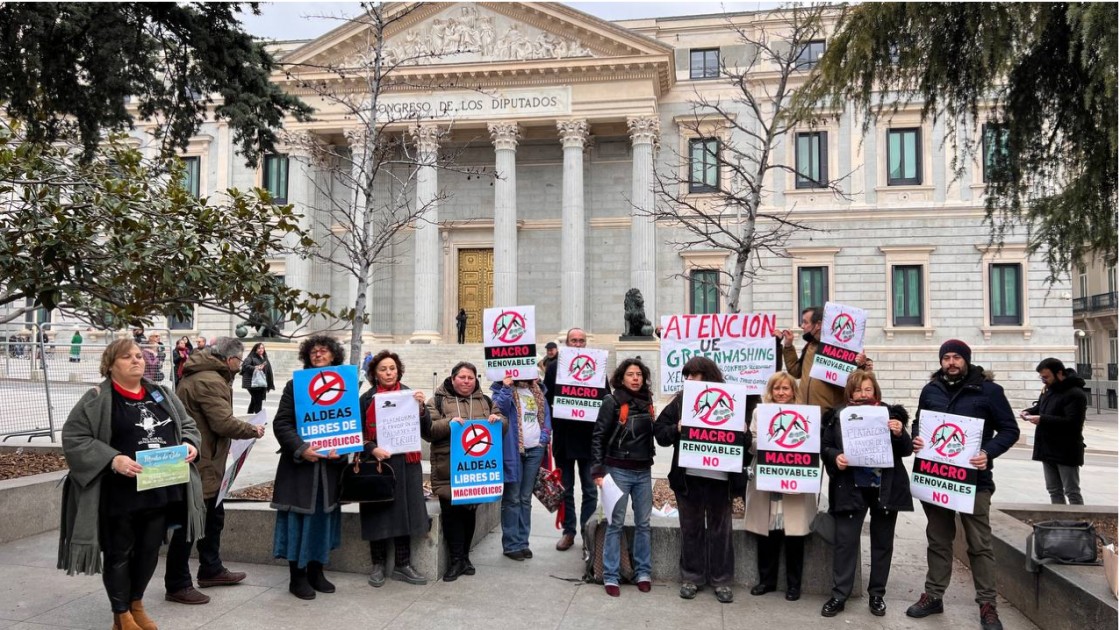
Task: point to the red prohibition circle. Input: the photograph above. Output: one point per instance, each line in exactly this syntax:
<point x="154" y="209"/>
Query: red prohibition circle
<point x="779" y="432"/>
<point x="326" y="388"/>
<point x="582" y="368"/>
<point x="505" y="330"/>
<point x="948" y="440"/>
<point x="709" y="401"/>
<point x="476" y="440"/>
<point x="844" y="327"/>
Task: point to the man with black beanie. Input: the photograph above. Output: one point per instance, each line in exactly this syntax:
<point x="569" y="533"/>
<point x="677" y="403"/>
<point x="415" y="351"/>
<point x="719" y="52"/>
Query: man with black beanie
<point x="966" y="390"/>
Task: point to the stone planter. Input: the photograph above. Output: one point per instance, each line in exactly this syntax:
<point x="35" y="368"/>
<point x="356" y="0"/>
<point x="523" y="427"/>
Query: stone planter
<point x="30" y="505"/>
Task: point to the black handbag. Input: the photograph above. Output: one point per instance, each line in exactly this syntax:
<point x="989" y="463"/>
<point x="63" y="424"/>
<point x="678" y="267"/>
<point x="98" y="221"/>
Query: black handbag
<point x="1063" y="542"/>
<point x="368" y="480"/>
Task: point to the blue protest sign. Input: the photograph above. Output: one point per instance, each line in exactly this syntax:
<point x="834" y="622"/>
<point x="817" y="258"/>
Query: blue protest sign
<point x="476" y="462"/>
<point x="327" y="411"/>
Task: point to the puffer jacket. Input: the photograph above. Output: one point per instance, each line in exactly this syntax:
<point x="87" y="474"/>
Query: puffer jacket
<point x="444" y="405"/>
<point x="894" y="486"/>
<point x="977" y="397"/>
<point x="632" y="443"/>
<point x="250" y="366"/>
<point x="1059" y="439"/>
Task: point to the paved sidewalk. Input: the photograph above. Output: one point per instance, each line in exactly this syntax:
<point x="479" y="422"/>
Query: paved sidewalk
<point x="1100" y="433"/>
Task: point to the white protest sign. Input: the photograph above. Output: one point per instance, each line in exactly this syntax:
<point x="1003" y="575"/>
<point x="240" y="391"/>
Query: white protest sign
<point x="713" y="426"/>
<point x="842" y="334"/>
<point x="789" y="448"/>
<point x="510" y="342"/>
<point x="581" y="383"/>
<point x="942" y="474"/>
<point x="398" y="421"/>
<point x="867" y="436"/>
<point x="238" y="453"/>
<point x="741" y="344"/>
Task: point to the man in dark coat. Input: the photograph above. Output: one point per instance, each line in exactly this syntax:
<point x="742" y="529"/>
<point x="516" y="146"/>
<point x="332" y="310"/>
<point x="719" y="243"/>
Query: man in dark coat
<point x="965" y="390"/>
<point x="571" y="445"/>
<point x="1059" y="416"/>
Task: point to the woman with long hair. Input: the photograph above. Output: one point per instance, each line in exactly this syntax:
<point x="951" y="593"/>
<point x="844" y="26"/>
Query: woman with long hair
<point x="523" y="447"/>
<point x="257" y="362"/>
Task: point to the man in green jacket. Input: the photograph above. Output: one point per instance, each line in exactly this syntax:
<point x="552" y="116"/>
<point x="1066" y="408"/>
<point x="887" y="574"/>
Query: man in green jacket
<point x="206" y="392"/>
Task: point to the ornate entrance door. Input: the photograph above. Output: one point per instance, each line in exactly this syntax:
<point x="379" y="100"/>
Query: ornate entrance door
<point x="476" y="288"/>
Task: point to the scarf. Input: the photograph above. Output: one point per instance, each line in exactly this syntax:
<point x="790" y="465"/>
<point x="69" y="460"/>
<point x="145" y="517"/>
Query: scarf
<point x="625" y="398"/>
<point x="371" y="421"/>
<point x="539" y="396"/>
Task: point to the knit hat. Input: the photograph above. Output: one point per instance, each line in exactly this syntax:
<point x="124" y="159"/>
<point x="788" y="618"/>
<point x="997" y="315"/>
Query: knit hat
<point x="550" y="345"/>
<point x="957" y="346"/>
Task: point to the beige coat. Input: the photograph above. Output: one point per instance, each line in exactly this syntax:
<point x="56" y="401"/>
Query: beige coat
<point x="798" y="510"/>
<point x="811" y="391"/>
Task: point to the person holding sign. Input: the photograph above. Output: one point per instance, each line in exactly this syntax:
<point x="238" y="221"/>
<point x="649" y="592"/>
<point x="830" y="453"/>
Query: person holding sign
<point x="965" y="390"/>
<point x="407" y="515"/>
<point x="703" y="498"/>
<point x="458" y="398"/>
<point x="813" y="391"/>
<point x="779" y="520"/>
<point x="622" y="446"/>
<point x="853" y="491"/>
<point x="107" y="525"/>
<point x="305" y="495"/>
<point x="523" y="447"/>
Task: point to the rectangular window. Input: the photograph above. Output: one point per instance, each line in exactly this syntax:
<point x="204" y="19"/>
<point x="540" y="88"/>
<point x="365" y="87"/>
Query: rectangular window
<point x="1006" y="293"/>
<point x="276" y="177"/>
<point x="812" y="159"/>
<point x="703" y="165"/>
<point x="703" y="64"/>
<point x="995" y="148"/>
<point x="191" y="174"/>
<point x="810" y="54"/>
<point x="904" y="157"/>
<point x="906" y="285"/>
<point x="812" y="287"/>
<point x="1082" y="282"/>
<point x="704" y="291"/>
<point x="37" y="316"/>
<point x="1110" y="273"/>
<point x="181" y="323"/>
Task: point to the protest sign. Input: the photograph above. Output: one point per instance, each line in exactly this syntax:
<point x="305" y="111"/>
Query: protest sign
<point x="476" y="462"/>
<point x="162" y="467"/>
<point x="238" y="453"/>
<point x="741" y="344"/>
<point x="867" y="436"/>
<point x="842" y="334"/>
<point x="942" y="475"/>
<point x="789" y="448"/>
<point x="713" y="426"/>
<point x="510" y="342"/>
<point x="398" y="421"/>
<point x="581" y="384"/>
<point x="327" y="413"/>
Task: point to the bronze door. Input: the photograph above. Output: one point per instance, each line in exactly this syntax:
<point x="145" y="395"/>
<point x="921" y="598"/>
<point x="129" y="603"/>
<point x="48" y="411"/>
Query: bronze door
<point x="476" y="288"/>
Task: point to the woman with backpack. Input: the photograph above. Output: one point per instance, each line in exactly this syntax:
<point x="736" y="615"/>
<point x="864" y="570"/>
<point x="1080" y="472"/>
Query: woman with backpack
<point x="622" y="446"/>
<point x="703" y="499"/>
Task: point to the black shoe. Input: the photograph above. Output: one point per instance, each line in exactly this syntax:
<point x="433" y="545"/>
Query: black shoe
<point x="925" y="606"/>
<point x="877" y="605"/>
<point x="454" y="570"/>
<point x="514" y="555"/>
<point x="298" y="585"/>
<point x="832" y="607"/>
<point x="762" y="589"/>
<point x="316" y="578"/>
<point x="469" y="570"/>
<point x="793" y="593"/>
<point x="989" y="618"/>
<point x="526" y="553"/>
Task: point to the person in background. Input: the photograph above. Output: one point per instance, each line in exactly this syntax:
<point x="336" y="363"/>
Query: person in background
<point x="551" y="352"/>
<point x="200" y="344"/>
<point x="1059" y="443"/>
<point x="526" y="439"/>
<point x="814" y="391"/>
<point x="461" y="325"/>
<point x="76" y="347"/>
<point x="257" y="363"/>
<point x="108" y="526"/>
<point x="780" y="521"/>
<point x="179" y="357"/>
<point x="366" y="361"/>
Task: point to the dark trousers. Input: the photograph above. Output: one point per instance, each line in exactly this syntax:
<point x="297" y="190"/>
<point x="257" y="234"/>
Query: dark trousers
<point x="770" y="553"/>
<point x="845" y="555"/>
<point x="588" y="489"/>
<point x="462" y="334"/>
<point x="130" y="544"/>
<point x="178" y="572"/>
<point x="707" y="556"/>
<point x="256" y="398"/>
<point x="402" y="550"/>
<point x="941" y="530"/>
<point x="457" y="522"/>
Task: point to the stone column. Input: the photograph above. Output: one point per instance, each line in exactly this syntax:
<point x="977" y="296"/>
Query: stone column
<point x="573" y="257"/>
<point x="645" y="134"/>
<point x="299" y="147"/>
<point x="426" y="250"/>
<point x="505" y="136"/>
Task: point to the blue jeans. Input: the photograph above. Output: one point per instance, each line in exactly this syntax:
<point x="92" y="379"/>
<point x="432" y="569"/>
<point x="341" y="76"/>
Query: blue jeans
<point x="517" y="503"/>
<point x="638" y="486"/>
<point x="588" y="488"/>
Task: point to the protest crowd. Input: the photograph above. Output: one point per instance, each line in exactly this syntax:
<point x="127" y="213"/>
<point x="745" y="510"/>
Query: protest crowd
<point x="759" y="420"/>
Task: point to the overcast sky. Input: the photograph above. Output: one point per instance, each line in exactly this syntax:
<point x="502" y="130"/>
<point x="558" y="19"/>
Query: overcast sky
<point x="307" y="20"/>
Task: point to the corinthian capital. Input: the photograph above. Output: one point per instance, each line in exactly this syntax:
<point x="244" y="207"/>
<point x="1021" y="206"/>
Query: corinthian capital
<point x="505" y="135"/>
<point x="427" y="137"/>
<point x="573" y="133"/>
<point x="644" y="130"/>
<point x="299" y="144"/>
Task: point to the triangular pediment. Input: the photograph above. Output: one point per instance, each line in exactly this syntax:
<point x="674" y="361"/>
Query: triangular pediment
<point x="448" y="34"/>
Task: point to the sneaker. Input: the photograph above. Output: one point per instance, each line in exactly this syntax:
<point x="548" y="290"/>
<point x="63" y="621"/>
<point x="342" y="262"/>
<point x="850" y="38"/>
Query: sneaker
<point x="925" y="606"/>
<point x="407" y="574"/>
<point x="225" y="578"/>
<point x="644" y="585"/>
<point x="377" y="576"/>
<point x="565" y="543"/>
<point x="877" y="605"/>
<point x="989" y="618"/>
<point x="832" y="607"/>
<point x="724" y="594"/>
<point x="688" y="590"/>
<point x="526" y="553"/>
<point x="189" y="596"/>
<point x="514" y="555"/>
<point x="612" y="590"/>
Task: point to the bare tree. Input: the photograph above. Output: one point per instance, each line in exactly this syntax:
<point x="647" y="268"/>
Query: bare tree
<point x="717" y="198"/>
<point x="393" y="152"/>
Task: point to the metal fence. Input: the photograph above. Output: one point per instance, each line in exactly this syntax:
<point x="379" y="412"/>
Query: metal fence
<point x="44" y="372"/>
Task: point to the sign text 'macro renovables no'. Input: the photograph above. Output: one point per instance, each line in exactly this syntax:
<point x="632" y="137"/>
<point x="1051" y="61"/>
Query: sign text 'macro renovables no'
<point x="475" y="104"/>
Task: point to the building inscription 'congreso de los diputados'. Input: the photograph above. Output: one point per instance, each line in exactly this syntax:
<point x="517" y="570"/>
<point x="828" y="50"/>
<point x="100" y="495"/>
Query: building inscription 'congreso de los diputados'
<point x="573" y="122"/>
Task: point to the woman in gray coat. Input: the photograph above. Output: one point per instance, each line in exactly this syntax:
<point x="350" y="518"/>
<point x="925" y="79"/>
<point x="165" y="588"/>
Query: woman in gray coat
<point x="107" y="525"/>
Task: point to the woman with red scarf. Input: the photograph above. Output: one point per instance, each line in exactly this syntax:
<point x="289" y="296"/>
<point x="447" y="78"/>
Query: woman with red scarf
<point x="407" y="514"/>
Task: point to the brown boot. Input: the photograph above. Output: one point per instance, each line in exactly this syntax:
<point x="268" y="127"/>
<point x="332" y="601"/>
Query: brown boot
<point x="141" y="618"/>
<point x="124" y="621"/>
